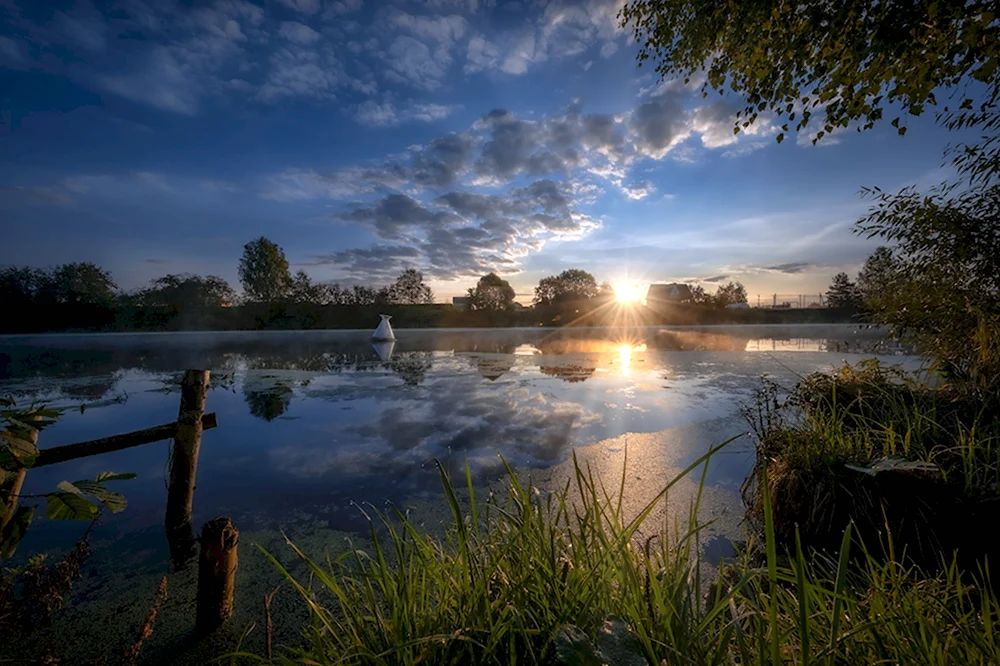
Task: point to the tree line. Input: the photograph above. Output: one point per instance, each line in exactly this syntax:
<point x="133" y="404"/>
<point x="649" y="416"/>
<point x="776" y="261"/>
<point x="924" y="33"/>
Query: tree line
<point x="264" y="275"/>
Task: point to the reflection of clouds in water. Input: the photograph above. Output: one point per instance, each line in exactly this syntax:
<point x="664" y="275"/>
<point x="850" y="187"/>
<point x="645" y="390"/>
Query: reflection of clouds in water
<point x="453" y="420"/>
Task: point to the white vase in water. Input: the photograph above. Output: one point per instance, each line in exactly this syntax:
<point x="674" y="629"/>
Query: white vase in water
<point x="384" y="330"/>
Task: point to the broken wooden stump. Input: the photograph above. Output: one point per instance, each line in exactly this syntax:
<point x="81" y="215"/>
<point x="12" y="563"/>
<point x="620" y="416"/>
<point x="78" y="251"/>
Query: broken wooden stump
<point x="216" y="573"/>
<point x="184" y="466"/>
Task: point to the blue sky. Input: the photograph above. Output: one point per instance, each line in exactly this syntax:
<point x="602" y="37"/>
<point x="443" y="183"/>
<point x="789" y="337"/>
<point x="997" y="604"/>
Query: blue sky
<point x="453" y="136"/>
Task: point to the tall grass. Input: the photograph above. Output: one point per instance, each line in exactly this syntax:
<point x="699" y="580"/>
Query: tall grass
<point x="531" y="577"/>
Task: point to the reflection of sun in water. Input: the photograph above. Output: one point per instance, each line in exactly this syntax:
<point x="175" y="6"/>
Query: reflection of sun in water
<point x="625" y="355"/>
<point x="627" y="293"/>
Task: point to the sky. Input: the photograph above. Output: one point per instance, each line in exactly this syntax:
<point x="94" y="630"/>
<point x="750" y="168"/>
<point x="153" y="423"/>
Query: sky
<point x="457" y="137"/>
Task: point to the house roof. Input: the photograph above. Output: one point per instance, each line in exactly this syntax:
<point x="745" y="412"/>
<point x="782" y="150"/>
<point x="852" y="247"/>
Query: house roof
<point x="673" y="291"/>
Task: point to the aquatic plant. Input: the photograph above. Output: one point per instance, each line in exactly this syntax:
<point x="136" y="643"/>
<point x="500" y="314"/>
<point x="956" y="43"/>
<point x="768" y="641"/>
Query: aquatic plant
<point x="568" y="578"/>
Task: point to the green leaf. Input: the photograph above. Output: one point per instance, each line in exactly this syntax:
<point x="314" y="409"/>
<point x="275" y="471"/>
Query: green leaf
<point x="23" y="449"/>
<point x="780" y="137"/>
<point x="902" y="131"/>
<point x="16" y="530"/>
<point x="114" y="501"/>
<point x="69" y="506"/>
<point x="113" y="476"/>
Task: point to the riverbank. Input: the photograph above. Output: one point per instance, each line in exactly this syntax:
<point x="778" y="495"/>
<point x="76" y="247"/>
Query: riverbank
<point x="341" y="317"/>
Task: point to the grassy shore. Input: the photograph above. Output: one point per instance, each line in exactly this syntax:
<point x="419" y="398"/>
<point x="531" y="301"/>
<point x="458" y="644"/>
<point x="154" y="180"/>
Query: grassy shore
<point x="563" y="578"/>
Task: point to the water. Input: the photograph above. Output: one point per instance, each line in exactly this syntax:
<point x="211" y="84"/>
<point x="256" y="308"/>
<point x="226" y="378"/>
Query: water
<point x="314" y="424"/>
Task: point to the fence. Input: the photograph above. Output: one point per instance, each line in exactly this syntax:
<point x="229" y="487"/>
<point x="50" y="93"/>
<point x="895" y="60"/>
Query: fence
<point x="787" y="301"/>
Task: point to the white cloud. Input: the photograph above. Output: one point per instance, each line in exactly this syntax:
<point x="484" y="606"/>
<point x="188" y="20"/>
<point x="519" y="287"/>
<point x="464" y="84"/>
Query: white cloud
<point x="520" y="55"/>
<point x="609" y="49"/>
<point x="308" y="7"/>
<point x="297" y="72"/>
<point x="162" y="81"/>
<point x="411" y="62"/>
<point x="481" y="54"/>
<point x="640" y="190"/>
<point x="12" y="51"/>
<point x="298" y="33"/>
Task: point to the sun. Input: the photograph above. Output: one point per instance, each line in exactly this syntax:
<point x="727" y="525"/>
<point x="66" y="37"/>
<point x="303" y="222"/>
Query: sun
<point x="627" y="293"/>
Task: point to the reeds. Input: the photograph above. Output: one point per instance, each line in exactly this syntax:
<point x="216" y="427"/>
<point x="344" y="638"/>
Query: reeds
<point x="528" y="577"/>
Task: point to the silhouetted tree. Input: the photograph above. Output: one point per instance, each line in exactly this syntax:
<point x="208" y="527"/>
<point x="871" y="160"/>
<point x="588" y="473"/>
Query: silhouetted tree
<point x="21" y="287"/>
<point x="606" y="292"/>
<point x="492" y="293"/>
<point x="843" y="293"/>
<point x="359" y="295"/>
<point x="409" y="289"/>
<point x="877" y="273"/>
<point x="304" y="290"/>
<point x="83" y="283"/>
<point x="945" y="286"/>
<point x="264" y="272"/>
<point x="699" y="297"/>
<point x="730" y="293"/>
<point x="187" y="292"/>
<point x="570" y="285"/>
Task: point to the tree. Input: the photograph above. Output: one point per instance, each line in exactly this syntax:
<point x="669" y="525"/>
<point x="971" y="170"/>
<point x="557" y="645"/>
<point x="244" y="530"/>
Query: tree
<point x="492" y="293"/>
<point x="570" y="285"/>
<point x="728" y="294"/>
<point x="409" y="289"/>
<point x="606" y="292"/>
<point x="877" y="274"/>
<point x="843" y="293"/>
<point x="22" y="287"/>
<point x="264" y="272"/>
<point x="944" y="294"/>
<point x="303" y="290"/>
<point x="82" y="283"/>
<point x="848" y="59"/>
<point x="699" y="297"/>
<point x="188" y="292"/>
<point x="361" y="295"/>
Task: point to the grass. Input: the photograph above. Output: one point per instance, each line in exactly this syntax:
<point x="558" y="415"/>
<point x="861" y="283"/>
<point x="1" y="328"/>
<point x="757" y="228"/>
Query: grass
<point x="813" y="442"/>
<point x="533" y="578"/>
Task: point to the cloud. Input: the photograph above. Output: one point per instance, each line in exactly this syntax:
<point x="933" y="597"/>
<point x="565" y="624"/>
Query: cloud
<point x="298" y="33"/>
<point x="609" y="49"/>
<point x="659" y="125"/>
<point x="161" y="81"/>
<point x="640" y="190"/>
<point x="308" y="7"/>
<point x="790" y="268"/>
<point x="298" y="72"/>
<point x="413" y="63"/>
<point x="386" y="115"/>
<point x="481" y="54"/>
<point x="462" y="234"/>
<point x="715" y="278"/>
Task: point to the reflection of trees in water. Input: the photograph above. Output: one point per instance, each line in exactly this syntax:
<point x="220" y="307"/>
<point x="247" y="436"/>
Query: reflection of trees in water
<point x="92" y="390"/>
<point x="493" y="368"/>
<point x="412" y="367"/>
<point x="268" y="403"/>
<point x="569" y="372"/>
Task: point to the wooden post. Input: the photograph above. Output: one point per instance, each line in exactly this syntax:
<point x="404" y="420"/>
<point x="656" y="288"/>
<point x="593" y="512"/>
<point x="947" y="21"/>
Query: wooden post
<point x="216" y="573"/>
<point x="184" y="466"/>
<point x="12" y="490"/>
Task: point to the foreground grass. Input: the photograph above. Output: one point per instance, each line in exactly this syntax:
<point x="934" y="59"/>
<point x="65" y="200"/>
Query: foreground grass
<point x="564" y="578"/>
<point x="877" y="447"/>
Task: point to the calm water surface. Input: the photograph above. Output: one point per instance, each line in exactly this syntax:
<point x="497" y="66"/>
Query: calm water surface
<point x="311" y="422"/>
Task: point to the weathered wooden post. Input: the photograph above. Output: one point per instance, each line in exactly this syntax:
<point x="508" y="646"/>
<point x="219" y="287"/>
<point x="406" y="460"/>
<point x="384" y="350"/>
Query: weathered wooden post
<point x="216" y="573"/>
<point x="10" y="491"/>
<point x="184" y="465"/>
